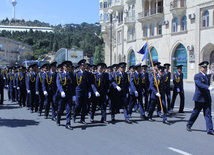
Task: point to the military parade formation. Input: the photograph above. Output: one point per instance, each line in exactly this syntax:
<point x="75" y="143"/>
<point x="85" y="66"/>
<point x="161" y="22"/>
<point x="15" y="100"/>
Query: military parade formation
<point x="85" y="89"/>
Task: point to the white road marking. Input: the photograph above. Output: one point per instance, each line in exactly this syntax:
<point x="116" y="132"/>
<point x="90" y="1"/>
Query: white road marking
<point x="178" y="151"/>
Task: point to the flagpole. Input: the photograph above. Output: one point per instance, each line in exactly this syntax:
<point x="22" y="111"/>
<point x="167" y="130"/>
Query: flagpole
<point x="154" y="74"/>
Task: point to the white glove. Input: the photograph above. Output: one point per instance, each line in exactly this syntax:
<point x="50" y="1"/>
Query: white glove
<point x="89" y="94"/>
<point x="74" y="98"/>
<point x="127" y="95"/>
<point x="178" y="90"/>
<point x="158" y="95"/>
<point x="28" y="91"/>
<point x="106" y="97"/>
<point x="136" y="94"/>
<point x="45" y="93"/>
<point x="37" y="93"/>
<point x="7" y="86"/>
<point x="211" y="88"/>
<point x="4" y="78"/>
<point x="18" y="88"/>
<point x="14" y="86"/>
<point x="63" y="94"/>
<point x="97" y="94"/>
<point x="118" y="88"/>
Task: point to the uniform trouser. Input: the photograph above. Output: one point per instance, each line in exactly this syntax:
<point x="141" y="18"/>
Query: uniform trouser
<point x="12" y="94"/>
<point x="33" y="97"/>
<point x="21" y="97"/>
<point x="41" y="102"/>
<point x="122" y="100"/>
<point x="8" y="93"/>
<point x="175" y="93"/>
<point x="16" y="94"/>
<point x="64" y="103"/>
<point x="2" y="95"/>
<point x="133" y="101"/>
<point x="49" y="101"/>
<point x="168" y="99"/>
<point x="28" y="99"/>
<point x="146" y="94"/>
<point x="206" y="106"/>
<point x="81" y="103"/>
<point x="155" y="102"/>
<point x="101" y="101"/>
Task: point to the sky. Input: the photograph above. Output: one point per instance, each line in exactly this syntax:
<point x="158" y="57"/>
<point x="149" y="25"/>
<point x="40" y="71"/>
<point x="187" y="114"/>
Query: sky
<point x="53" y="11"/>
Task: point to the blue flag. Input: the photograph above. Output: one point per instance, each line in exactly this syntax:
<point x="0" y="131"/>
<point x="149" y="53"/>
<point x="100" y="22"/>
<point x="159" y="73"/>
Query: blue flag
<point x="144" y="50"/>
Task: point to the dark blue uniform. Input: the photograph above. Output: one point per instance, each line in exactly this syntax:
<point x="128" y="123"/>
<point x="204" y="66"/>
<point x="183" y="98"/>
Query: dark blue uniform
<point x="120" y="99"/>
<point x="39" y="91"/>
<point x="167" y="84"/>
<point x="15" y="85"/>
<point x="65" y="84"/>
<point x="145" y="81"/>
<point x="7" y="85"/>
<point x="82" y="88"/>
<point x="11" y="86"/>
<point x="136" y="85"/>
<point x="21" y="88"/>
<point x="202" y="100"/>
<point x="49" y="85"/>
<point x="178" y="89"/>
<point x="1" y="88"/>
<point x="154" y="99"/>
<point x="31" y="89"/>
<point x="99" y="84"/>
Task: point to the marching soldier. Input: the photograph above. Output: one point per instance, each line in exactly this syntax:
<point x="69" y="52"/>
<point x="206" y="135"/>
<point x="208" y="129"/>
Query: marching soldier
<point x="15" y="82"/>
<point x="82" y="91"/>
<point x="39" y="90"/>
<point x="155" y="95"/>
<point x="21" y="86"/>
<point x="145" y="81"/>
<point x="11" y="85"/>
<point x="178" y="88"/>
<point x="65" y="84"/>
<point x="202" y="99"/>
<point x="136" y="91"/>
<point x="49" y="90"/>
<point x="1" y="86"/>
<point x="167" y="75"/>
<point x="30" y="85"/>
<point x="99" y="86"/>
<point x="121" y="84"/>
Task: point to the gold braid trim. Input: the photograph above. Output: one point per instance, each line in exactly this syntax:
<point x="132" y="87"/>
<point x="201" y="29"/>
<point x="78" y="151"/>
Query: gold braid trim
<point x="97" y="84"/>
<point x="166" y="79"/>
<point x="128" y="78"/>
<point x="34" y="79"/>
<point x="177" y="79"/>
<point x="20" y="79"/>
<point x="117" y="82"/>
<point x="136" y="82"/>
<point x="40" y="78"/>
<point x="63" y="84"/>
<point x="49" y="82"/>
<point x="78" y="81"/>
<point x="11" y="78"/>
<point x="157" y="82"/>
<point x="144" y="80"/>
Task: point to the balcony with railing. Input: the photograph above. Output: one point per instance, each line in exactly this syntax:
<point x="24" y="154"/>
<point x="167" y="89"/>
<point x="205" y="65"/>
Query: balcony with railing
<point x="129" y="20"/>
<point x="177" y="7"/>
<point x="117" y="5"/>
<point x="150" y="14"/>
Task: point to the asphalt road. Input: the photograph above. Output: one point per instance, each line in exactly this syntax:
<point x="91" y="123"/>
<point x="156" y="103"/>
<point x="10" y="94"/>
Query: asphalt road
<point x="23" y="133"/>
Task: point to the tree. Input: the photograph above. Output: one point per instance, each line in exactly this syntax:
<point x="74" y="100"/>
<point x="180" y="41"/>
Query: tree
<point x="99" y="55"/>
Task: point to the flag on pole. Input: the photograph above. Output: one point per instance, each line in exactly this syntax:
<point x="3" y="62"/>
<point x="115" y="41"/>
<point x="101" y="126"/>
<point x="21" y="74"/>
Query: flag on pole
<point x="144" y="50"/>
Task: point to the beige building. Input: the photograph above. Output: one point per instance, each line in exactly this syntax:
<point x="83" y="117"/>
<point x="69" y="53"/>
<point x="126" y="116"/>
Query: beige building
<point x="178" y="31"/>
<point x="12" y="52"/>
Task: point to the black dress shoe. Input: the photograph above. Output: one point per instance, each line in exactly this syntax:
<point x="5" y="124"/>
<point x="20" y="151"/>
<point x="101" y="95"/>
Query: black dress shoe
<point x="166" y="122"/>
<point x="58" y="123"/>
<point x="105" y="122"/>
<point x="210" y="133"/>
<point x="83" y="122"/>
<point x="128" y="121"/>
<point x="143" y="117"/>
<point x="188" y="128"/>
<point x="74" y="119"/>
<point x="91" y="120"/>
<point x="69" y="127"/>
<point x="53" y="119"/>
<point x="113" y="120"/>
<point x="46" y="117"/>
<point x="180" y="111"/>
<point x="151" y="120"/>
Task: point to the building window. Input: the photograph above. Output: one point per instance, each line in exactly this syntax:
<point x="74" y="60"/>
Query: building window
<point x="133" y="34"/>
<point x="109" y="4"/>
<point x="105" y="16"/>
<point x="120" y="17"/>
<point x="184" y="23"/>
<point x="101" y="5"/>
<point x="133" y="13"/>
<point x="205" y="19"/>
<point x="105" y="4"/>
<point x="101" y="16"/>
<point x="119" y="37"/>
<point x="159" y="29"/>
<point x="145" y="33"/>
<point x="152" y="30"/>
<point x="175" y="25"/>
